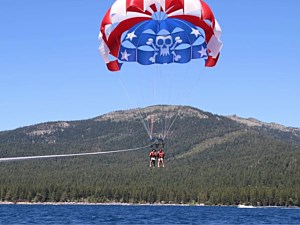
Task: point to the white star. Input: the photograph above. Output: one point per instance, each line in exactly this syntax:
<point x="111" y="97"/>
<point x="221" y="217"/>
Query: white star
<point x="203" y="52"/>
<point x="131" y="36"/>
<point x="196" y="32"/>
<point x="125" y="55"/>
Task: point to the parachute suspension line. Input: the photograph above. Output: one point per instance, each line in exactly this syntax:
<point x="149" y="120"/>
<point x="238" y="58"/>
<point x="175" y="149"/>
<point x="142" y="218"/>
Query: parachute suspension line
<point x="168" y="130"/>
<point x="163" y="122"/>
<point x="162" y="88"/>
<point x="160" y="85"/>
<point x="166" y="94"/>
<point x="135" y="106"/>
<point x="151" y="118"/>
<point x="188" y="93"/>
<point x="71" y="155"/>
<point x="162" y="91"/>
<point x="156" y="86"/>
<point x="167" y="121"/>
<point x="151" y="122"/>
<point x="168" y="82"/>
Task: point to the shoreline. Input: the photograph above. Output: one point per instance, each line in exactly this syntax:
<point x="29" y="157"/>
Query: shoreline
<point x="90" y="203"/>
<point x="242" y="206"/>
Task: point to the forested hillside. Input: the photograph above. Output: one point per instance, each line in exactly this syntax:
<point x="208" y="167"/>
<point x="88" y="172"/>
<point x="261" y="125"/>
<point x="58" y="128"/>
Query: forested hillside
<point x="210" y="159"/>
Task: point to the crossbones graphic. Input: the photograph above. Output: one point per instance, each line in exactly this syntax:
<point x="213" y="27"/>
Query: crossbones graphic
<point x="163" y="46"/>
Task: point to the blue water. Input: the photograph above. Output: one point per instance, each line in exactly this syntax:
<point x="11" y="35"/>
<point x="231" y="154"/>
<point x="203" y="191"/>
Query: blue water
<point x="107" y="214"/>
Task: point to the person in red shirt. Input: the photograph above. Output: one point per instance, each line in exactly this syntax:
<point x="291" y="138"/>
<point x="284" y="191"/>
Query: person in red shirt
<point x="152" y="156"/>
<point x="161" y="156"/>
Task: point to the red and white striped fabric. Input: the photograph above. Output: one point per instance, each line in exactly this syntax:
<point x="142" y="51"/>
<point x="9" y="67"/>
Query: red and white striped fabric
<point x="126" y="13"/>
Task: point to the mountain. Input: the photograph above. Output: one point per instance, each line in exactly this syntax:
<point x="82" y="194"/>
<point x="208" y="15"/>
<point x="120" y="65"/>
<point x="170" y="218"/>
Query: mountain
<point x="288" y="134"/>
<point x="210" y="159"/>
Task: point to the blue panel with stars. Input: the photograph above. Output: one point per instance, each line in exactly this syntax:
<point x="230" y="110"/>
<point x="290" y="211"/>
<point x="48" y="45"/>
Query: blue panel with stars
<point x="199" y="51"/>
<point x="127" y="55"/>
<point x="167" y="41"/>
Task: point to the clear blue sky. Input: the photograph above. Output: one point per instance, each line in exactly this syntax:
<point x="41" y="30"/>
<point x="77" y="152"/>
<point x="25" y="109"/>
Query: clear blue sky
<point x="50" y="68"/>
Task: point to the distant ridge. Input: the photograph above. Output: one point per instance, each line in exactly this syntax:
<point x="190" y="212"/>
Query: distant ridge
<point x="255" y="122"/>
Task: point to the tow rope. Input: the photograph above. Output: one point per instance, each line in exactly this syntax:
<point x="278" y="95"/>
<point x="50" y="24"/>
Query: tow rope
<point x="70" y="155"/>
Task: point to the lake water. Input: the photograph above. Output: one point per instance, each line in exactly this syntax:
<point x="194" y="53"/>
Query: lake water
<point x="116" y="214"/>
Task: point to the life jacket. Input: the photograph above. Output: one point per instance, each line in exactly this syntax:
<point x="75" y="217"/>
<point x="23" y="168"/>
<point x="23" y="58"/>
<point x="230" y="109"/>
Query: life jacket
<point x="152" y="154"/>
<point x="161" y="154"/>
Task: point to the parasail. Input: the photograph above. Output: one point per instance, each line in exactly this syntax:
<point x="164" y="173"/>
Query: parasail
<point x="159" y="32"/>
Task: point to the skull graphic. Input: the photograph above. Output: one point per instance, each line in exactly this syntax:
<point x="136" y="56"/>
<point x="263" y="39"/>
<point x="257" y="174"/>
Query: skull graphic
<point x="164" y="43"/>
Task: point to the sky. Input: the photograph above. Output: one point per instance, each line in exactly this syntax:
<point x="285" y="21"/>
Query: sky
<point x="51" y="70"/>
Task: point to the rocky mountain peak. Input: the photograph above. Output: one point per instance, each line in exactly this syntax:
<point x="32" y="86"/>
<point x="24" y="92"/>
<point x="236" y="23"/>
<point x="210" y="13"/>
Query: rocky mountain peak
<point x="156" y="111"/>
<point x="251" y="122"/>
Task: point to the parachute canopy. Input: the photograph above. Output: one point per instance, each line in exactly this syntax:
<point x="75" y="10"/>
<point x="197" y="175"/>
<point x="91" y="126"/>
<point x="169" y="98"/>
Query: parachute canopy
<point x="158" y="32"/>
